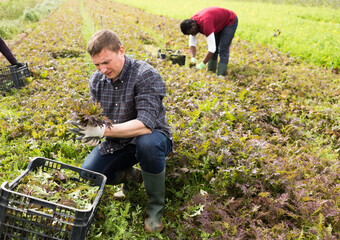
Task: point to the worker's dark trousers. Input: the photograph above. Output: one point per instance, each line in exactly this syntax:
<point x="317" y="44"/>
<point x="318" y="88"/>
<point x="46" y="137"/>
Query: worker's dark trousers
<point x="223" y="41"/>
<point x="150" y="152"/>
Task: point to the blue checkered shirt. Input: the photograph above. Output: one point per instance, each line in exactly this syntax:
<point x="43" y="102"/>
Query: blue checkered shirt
<point x="137" y="94"/>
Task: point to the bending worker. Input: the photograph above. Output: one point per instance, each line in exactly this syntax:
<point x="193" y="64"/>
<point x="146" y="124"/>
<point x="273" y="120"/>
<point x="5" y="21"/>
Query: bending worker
<point x="219" y="26"/>
<point x="8" y="54"/>
<point x="131" y="94"/>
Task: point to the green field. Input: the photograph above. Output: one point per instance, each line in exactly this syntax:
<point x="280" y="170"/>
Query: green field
<point x="311" y="33"/>
<point x="255" y="154"/>
<point x="21" y="15"/>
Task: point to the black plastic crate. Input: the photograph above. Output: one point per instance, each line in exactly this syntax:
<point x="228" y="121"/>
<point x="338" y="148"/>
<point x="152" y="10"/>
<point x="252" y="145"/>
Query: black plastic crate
<point x="176" y="57"/>
<point x="13" y="77"/>
<point x="20" y="219"/>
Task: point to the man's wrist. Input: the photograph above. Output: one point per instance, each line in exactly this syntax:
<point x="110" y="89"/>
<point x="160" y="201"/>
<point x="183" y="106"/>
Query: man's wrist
<point x="106" y="132"/>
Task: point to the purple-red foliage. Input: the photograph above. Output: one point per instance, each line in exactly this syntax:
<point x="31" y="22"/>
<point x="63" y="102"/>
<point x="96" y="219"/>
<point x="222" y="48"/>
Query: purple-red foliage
<point x="260" y="217"/>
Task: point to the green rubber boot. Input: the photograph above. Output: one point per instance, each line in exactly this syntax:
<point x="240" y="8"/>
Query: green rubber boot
<point x="212" y="64"/>
<point x="155" y="189"/>
<point x="222" y="69"/>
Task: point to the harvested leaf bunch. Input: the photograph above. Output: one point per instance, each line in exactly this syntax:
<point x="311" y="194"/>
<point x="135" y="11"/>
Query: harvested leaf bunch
<point x="58" y="187"/>
<point x="90" y="112"/>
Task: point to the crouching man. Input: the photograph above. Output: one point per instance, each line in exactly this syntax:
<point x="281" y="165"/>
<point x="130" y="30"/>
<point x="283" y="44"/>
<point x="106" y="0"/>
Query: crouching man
<point x="131" y="94"/>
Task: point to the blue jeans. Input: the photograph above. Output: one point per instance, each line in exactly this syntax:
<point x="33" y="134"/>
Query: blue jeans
<point x="223" y="41"/>
<point x="150" y="152"/>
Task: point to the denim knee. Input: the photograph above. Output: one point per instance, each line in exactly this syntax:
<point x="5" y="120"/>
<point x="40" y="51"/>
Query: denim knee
<point x="151" y="151"/>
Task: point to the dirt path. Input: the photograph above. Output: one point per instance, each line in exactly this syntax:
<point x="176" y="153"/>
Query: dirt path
<point x="17" y="41"/>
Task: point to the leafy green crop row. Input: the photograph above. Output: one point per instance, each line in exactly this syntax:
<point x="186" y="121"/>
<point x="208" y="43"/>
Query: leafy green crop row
<point x="33" y="119"/>
<point x="311" y="33"/>
<point x="256" y="153"/>
<point x="15" y="9"/>
<point x="19" y="16"/>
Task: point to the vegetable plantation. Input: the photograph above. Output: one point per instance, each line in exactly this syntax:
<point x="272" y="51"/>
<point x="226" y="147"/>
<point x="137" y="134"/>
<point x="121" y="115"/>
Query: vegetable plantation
<point x="310" y="33"/>
<point x="255" y="155"/>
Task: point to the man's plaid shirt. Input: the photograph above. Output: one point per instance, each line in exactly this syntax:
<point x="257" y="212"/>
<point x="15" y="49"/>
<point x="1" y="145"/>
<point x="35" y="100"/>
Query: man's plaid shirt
<point x="137" y="94"/>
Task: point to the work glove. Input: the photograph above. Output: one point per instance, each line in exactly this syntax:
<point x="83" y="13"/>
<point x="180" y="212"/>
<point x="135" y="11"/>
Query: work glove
<point x="89" y="134"/>
<point x="91" y="141"/>
<point x="193" y="60"/>
<point x="200" y="66"/>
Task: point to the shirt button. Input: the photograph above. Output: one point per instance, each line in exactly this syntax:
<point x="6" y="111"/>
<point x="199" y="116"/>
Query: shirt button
<point x="116" y="88"/>
<point x="116" y="104"/>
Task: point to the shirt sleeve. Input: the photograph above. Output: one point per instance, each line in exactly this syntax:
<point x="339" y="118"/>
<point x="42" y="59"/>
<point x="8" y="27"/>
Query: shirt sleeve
<point x="211" y="43"/>
<point x="150" y="93"/>
<point x="192" y="40"/>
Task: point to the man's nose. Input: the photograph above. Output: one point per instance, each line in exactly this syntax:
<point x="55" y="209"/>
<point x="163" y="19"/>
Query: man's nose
<point x="102" y="68"/>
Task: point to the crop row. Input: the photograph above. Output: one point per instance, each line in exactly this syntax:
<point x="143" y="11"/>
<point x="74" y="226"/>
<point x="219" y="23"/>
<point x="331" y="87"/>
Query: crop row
<point x="33" y="119"/>
<point x="255" y="153"/>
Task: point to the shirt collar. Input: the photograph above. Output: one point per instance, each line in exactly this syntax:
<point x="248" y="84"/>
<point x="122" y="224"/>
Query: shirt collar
<point x="127" y="65"/>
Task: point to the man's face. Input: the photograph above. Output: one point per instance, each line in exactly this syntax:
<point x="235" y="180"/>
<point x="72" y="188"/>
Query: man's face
<point x="193" y="30"/>
<point x="109" y="63"/>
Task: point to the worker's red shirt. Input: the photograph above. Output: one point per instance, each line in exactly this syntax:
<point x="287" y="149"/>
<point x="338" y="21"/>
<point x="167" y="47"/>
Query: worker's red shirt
<point x="213" y="19"/>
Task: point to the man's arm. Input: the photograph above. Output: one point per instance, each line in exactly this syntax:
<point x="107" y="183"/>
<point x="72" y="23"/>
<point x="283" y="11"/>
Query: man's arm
<point x="129" y="129"/>
<point x="207" y="57"/>
<point x="211" y="48"/>
<point x="192" y="45"/>
<point x="192" y="50"/>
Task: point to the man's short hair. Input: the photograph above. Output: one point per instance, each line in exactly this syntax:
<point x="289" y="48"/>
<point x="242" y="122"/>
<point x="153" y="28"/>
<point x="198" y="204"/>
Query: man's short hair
<point x="103" y="39"/>
<point x="186" y="25"/>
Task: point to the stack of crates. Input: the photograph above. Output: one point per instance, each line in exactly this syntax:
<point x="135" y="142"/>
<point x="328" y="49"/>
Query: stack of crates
<point x="20" y="217"/>
<point x="13" y="77"/>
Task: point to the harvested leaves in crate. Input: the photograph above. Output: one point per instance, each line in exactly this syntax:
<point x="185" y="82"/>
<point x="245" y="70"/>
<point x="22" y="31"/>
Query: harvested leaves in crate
<point x="58" y="186"/>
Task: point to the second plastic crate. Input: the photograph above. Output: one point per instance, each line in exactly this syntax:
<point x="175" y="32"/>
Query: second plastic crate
<point x="176" y="57"/>
<point x="13" y="77"/>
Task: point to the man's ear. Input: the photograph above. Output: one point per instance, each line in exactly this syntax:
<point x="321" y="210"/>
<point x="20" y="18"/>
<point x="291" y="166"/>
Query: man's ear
<point x="122" y="50"/>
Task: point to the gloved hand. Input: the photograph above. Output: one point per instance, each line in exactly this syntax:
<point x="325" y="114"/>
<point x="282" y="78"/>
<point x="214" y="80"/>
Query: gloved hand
<point x="193" y="60"/>
<point x="89" y="134"/>
<point x="91" y="141"/>
<point x="200" y="66"/>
